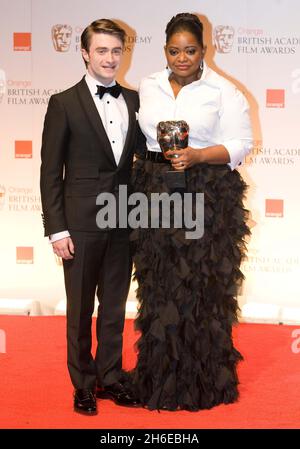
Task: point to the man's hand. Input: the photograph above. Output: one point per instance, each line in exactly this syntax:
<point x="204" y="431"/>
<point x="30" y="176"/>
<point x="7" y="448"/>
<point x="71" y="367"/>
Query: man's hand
<point x="64" y="248"/>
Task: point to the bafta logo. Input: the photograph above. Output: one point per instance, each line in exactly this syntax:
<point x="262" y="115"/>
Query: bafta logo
<point x="223" y="38"/>
<point x="2" y="84"/>
<point x="2" y="196"/>
<point x="61" y="37"/>
<point x="173" y="135"/>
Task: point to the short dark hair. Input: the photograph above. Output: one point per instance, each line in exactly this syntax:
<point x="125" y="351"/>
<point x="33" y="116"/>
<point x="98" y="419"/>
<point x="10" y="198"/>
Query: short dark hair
<point x="104" y="26"/>
<point x="185" y="22"/>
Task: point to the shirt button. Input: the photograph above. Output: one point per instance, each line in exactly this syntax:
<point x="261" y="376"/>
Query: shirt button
<point x="110" y="121"/>
<point x="113" y="141"/>
<point x="107" y="102"/>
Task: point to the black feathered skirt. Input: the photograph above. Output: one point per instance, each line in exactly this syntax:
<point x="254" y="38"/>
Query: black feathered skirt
<point x="187" y="293"/>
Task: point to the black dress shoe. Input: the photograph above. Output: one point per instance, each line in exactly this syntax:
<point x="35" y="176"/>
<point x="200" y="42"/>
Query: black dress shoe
<point x="119" y="394"/>
<point x="85" y="402"/>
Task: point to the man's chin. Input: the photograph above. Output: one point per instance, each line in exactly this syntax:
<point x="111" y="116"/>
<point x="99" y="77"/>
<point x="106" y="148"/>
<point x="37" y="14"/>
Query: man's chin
<point x="109" y="72"/>
<point x="109" y="76"/>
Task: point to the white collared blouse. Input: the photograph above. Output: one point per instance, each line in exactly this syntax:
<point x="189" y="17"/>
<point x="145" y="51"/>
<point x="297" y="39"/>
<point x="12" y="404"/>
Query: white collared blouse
<point x="215" y="110"/>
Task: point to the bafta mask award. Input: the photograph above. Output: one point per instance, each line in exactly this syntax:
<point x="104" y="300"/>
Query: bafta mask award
<point x="172" y="136"/>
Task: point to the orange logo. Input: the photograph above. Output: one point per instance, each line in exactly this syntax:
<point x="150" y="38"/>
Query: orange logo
<point x="274" y="208"/>
<point x="2" y="341"/>
<point x="23" y="149"/>
<point x="24" y="254"/>
<point x="275" y="98"/>
<point x="22" y="41"/>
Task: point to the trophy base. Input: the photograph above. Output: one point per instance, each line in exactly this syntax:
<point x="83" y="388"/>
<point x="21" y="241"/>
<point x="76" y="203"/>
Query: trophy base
<point x="175" y="179"/>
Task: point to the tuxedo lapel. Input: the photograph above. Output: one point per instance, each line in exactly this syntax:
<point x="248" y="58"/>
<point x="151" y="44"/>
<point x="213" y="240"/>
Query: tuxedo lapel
<point x="94" y="118"/>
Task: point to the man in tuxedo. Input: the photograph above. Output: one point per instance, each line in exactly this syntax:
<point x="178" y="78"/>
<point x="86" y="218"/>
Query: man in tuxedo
<point x="90" y="135"/>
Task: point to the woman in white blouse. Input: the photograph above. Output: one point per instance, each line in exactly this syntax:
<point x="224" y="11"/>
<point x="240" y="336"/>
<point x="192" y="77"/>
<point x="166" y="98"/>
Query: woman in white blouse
<point x="188" y="287"/>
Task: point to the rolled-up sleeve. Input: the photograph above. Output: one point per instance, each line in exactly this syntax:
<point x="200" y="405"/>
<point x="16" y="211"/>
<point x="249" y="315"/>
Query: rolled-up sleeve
<point x="235" y="125"/>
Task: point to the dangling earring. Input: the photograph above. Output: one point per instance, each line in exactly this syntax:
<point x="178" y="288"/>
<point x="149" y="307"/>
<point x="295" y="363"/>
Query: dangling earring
<point x="201" y="65"/>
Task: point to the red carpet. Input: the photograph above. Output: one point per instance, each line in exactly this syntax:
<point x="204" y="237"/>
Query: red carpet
<point x="36" y="391"/>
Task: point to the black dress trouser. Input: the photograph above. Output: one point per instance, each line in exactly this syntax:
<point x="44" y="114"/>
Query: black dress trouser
<point x="102" y="266"/>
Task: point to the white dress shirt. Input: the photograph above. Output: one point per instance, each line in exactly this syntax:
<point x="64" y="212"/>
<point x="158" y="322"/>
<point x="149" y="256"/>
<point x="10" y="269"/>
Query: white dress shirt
<point x="114" y="115"/>
<point x="215" y="110"/>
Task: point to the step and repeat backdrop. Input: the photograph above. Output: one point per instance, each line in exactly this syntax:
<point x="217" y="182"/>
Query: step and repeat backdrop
<point x="254" y="44"/>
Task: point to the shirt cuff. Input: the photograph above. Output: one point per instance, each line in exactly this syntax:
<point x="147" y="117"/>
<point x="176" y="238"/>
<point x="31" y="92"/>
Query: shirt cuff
<point x="237" y="150"/>
<point x="58" y="236"/>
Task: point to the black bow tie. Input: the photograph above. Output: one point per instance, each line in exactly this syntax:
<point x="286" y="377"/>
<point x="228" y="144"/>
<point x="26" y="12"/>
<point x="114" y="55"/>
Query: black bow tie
<point x="112" y="90"/>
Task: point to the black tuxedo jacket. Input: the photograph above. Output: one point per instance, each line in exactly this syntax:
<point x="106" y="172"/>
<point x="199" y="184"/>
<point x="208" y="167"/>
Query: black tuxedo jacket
<point x="78" y="161"/>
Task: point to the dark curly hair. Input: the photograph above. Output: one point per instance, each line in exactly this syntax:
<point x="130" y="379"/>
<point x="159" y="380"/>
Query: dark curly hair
<point x="185" y="22"/>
